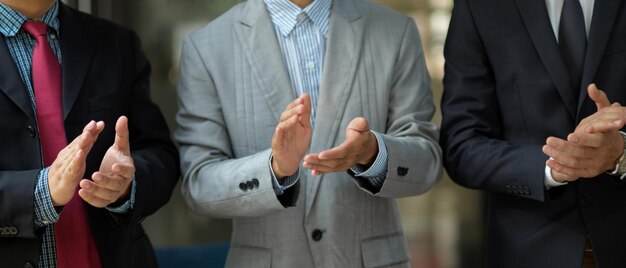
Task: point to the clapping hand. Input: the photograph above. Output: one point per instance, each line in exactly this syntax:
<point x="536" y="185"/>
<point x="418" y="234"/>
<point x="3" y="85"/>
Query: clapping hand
<point x="112" y="182"/>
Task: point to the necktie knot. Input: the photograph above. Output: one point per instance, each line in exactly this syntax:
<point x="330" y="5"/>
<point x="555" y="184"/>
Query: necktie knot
<point x="35" y="28"/>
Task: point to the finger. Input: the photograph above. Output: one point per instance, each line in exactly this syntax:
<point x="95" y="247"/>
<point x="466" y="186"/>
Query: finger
<point x="560" y="177"/>
<point x="122" y="135"/>
<point x="358" y="124"/>
<point x="89" y="137"/>
<point x="319" y="169"/>
<point x="288" y="124"/>
<point x="80" y="140"/>
<point x="296" y="110"/>
<point x="586" y="139"/>
<point x="98" y="190"/>
<point x="339" y="152"/>
<point x="555" y="166"/>
<point x="574" y="162"/>
<point x="312" y="161"/>
<point x="294" y="103"/>
<point x="609" y="115"/>
<point x="124" y="170"/>
<point x="560" y="157"/>
<point x="93" y="200"/>
<point x="561" y="147"/>
<point x="305" y="118"/>
<point x="598" y="96"/>
<point x="605" y="126"/>
<point x="99" y="127"/>
<point x="313" y="158"/>
<point x="110" y="182"/>
<point x="569" y="171"/>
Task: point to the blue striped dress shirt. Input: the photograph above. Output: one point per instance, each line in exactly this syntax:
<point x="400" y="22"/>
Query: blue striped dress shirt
<point x="301" y="35"/>
<point x="21" y="46"/>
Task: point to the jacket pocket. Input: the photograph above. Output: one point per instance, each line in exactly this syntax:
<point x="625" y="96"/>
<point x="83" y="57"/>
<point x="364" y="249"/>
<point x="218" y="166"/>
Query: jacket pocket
<point x="384" y="251"/>
<point x="241" y="256"/>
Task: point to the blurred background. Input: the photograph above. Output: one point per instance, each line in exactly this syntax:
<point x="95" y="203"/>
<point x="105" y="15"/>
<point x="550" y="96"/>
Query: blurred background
<point x="444" y="226"/>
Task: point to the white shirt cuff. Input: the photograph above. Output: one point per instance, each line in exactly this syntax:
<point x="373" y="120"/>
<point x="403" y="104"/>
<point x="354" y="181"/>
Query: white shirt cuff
<point x="550" y="182"/>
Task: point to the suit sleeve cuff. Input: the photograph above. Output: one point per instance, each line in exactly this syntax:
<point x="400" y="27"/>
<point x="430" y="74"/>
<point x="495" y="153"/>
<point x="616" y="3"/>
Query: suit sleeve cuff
<point x="45" y="213"/>
<point x="550" y="182"/>
<point x="129" y="204"/>
<point x="285" y="183"/>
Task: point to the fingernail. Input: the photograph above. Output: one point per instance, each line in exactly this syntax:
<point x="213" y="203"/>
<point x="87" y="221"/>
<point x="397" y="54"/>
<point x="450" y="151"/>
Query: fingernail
<point x="86" y="186"/>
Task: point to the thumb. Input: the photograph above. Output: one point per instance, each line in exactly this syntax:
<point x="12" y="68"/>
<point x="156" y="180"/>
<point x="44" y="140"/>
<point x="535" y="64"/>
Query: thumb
<point x="358" y="124"/>
<point x="122" y="135"/>
<point x="598" y="96"/>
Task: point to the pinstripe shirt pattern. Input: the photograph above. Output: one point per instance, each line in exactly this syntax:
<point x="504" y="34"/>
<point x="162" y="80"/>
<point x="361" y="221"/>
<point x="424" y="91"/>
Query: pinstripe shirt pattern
<point x="301" y="35"/>
<point x="21" y="46"/>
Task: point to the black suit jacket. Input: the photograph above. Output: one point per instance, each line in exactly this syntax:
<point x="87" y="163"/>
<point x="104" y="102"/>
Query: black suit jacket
<point x="105" y="75"/>
<point x="506" y="89"/>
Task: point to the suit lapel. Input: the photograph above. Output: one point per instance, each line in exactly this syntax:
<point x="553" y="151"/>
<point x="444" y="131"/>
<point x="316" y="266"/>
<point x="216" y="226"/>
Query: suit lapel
<point x="604" y="15"/>
<point x="258" y="36"/>
<point x="11" y="82"/>
<point x="77" y="47"/>
<point x="342" y="55"/>
<point x="535" y="16"/>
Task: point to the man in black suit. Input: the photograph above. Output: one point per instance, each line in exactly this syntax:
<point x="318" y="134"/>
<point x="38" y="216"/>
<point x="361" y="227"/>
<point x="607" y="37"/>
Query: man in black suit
<point x="523" y="120"/>
<point x="75" y="104"/>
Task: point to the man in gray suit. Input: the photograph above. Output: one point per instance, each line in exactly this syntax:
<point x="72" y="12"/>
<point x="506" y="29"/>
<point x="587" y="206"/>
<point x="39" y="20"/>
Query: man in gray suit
<point x="302" y="120"/>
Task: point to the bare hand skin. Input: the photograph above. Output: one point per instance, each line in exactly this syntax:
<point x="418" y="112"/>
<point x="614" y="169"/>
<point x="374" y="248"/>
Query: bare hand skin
<point x="595" y="145"/>
<point x="112" y="182"/>
<point x="292" y="137"/>
<point x="360" y="146"/>
<point x="69" y="167"/>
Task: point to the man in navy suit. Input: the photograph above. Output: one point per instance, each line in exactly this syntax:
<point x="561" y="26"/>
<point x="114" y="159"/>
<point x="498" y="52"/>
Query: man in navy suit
<point x="86" y="155"/>
<point x="523" y="120"/>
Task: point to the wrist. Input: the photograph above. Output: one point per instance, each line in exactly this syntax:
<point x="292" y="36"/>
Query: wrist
<point x="618" y="167"/>
<point x="371" y="151"/>
<point x="277" y="171"/>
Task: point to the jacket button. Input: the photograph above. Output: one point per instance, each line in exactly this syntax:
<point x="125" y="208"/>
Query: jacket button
<point x="31" y="131"/>
<point x="316" y="235"/>
<point x="243" y="186"/>
<point x="585" y="200"/>
<point x="402" y="171"/>
<point x="250" y="185"/>
<point x="28" y="265"/>
<point x="255" y="182"/>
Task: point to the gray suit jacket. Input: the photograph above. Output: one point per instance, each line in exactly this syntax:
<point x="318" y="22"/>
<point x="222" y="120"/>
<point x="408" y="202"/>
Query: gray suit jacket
<point x="233" y="87"/>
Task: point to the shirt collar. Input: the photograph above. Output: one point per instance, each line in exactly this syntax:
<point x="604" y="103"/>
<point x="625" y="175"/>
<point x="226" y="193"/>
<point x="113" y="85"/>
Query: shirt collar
<point x="285" y="14"/>
<point x="11" y="21"/>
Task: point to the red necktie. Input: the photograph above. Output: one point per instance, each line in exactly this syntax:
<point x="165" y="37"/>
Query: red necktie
<point x="75" y="245"/>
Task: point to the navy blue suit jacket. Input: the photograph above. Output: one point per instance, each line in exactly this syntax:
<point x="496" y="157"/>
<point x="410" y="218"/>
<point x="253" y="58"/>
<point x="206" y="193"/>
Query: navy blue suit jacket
<point x="105" y="75"/>
<point x="506" y="89"/>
